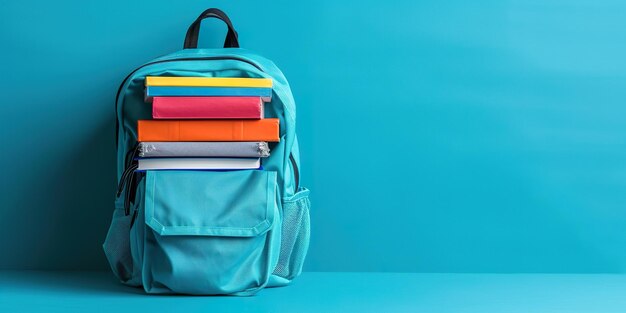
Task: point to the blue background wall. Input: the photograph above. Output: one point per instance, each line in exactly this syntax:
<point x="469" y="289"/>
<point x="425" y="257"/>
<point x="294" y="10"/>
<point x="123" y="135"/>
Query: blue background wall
<point x="441" y="136"/>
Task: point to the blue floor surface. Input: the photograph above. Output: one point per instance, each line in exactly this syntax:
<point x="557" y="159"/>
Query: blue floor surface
<point x="328" y="292"/>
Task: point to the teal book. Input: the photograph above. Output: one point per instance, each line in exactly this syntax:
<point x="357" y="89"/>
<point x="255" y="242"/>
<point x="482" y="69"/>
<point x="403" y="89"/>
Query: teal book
<point x="176" y="91"/>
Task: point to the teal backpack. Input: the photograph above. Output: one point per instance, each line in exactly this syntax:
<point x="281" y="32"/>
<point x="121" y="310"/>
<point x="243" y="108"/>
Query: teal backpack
<point x="208" y="232"/>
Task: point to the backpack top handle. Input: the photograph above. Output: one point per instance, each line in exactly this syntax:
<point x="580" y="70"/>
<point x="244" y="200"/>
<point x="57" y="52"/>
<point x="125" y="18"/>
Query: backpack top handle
<point x="191" y="39"/>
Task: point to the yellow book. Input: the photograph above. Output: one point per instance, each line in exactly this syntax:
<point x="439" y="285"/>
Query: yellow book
<point x="209" y="81"/>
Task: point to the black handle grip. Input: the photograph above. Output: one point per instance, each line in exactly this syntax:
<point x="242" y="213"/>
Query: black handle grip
<point x="191" y="39"/>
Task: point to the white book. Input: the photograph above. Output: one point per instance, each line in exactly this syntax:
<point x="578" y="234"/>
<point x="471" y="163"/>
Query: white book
<point x="198" y="163"/>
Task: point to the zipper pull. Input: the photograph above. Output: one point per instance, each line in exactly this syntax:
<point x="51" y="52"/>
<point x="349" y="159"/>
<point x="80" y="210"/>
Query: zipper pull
<point x="130" y="158"/>
<point x="131" y="155"/>
<point x="127" y="179"/>
<point x="123" y="180"/>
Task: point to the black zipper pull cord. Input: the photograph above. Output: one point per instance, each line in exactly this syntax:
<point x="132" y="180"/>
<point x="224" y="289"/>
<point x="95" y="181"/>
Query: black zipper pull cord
<point x="127" y="202"/>
<point x="131" y="155"/>
<point x="129" y="190"/>
<point x="133" y="187"/>
<point x="132" y="193"/>
<point x="130" y="158"/>
<point x="124" y="179"/>
<point x="127" y="176"/>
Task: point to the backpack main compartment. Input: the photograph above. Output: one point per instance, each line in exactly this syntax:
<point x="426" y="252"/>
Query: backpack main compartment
<point x="203" y="232"/>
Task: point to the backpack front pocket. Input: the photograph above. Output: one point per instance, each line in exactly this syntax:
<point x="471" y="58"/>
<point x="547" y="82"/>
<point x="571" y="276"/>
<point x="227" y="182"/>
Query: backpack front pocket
<point x="209" y="232"/>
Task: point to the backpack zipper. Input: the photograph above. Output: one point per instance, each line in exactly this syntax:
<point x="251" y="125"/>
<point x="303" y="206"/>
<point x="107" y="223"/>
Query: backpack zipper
<point x="125" y="184"/>
<point x="132" y="192"/>
<point x="127" y="178"/>
<point x="128" y="162"/>
<point x="296" y="172"/>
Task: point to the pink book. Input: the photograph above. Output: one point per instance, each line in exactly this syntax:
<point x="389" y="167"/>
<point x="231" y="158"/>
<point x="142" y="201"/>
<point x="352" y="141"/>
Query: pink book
<point x="207" y="107"/>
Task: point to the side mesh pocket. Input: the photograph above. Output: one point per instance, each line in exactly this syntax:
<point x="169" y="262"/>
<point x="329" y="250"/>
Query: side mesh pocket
<point x="117" y="245"/>
<point x="296" y="233"/>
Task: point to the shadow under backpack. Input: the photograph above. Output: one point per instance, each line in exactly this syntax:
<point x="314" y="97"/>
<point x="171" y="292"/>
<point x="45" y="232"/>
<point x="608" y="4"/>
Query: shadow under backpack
<point x="252" y="230"/>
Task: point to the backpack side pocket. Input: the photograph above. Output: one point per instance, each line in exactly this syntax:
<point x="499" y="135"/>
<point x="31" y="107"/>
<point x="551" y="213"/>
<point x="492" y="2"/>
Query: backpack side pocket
<point x="296" y="232"/>
<point x="117" y="245"/>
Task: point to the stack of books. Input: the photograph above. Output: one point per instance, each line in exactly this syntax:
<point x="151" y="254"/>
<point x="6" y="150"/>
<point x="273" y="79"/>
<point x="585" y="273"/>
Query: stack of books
<point x="210" y="123"/>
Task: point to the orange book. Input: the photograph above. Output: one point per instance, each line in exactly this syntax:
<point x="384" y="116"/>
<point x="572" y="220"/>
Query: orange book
<point x="208" y="130"/>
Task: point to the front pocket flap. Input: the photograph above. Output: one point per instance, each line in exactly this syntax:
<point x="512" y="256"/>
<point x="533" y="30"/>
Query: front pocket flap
<point x="210" y="203"/>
